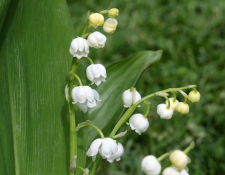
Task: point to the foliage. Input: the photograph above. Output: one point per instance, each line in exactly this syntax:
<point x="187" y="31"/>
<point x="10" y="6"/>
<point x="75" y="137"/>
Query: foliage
<point x="191" y="33"/>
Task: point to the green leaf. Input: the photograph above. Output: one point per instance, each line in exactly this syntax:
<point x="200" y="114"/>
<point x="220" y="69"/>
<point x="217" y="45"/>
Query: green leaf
<point x="34" y="63"/>
<point x="121" y="76"/>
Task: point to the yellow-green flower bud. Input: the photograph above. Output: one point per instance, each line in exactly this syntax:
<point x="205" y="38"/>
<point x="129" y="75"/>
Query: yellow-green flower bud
<point x="96" y="19"/>
<point x="113" y="13"/>
<point x="194" y="96"/>
<point x="179" y="159"/>
<point x="182" y="108"/>
<point x="110" y="25"/>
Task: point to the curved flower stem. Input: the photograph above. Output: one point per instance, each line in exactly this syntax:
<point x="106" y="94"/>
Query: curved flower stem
<point x="73" y="133"/>
<point x="81" y="125"/>
<point x="163" y="156"/>
<point x="148" y="108"/>
<point x="127" y="114"/>
<point x="104" y="12"/>
<point x="85" y="28"/>
<point x="190" y="147"/>
<point x="78" y="79"/>
<point x="89" y="59"/>
<point x="82" y="169"/>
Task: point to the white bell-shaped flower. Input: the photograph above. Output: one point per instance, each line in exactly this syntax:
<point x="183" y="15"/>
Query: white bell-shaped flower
<point x="128" y="97"/>
<point x="79" y="48"/>
<point x="117" y="155"/>
<point x="170" y="171"/>
<point x="110" y="25"/>
<point x="179" y="159"/>
<point x="96" y="40"/>
<point x="173" y="103"/>
<point x="138" y="123"/>
<point x="164" y="112"/>
<point x="150" y="165"/>
<point x="106" y="147"/>
<point x="96" y="73"/>
<point x="184" y="172"/>
<point x="85" y="97"/>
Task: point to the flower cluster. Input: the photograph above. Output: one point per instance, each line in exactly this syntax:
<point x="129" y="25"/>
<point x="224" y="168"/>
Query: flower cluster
<point x="84" y="96"/>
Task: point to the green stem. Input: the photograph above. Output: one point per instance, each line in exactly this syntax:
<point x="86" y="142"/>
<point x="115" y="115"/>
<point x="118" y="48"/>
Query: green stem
<point x="163" y="156"/>
<point x="104" y="12"/>
<point x="174" y="97"/>
<point x="89" y="59"/>
<point x="81" y="125"/>
<point x="78" y="79"/>
<point x="82" y="169"/>
<point x="85" y="28"/>
<point x="148" y="108"/>
<point x="190" y="147"/>
<point x="73" y="133"/>
<point x="168" y="106"/>
<point x="95" y="165"/>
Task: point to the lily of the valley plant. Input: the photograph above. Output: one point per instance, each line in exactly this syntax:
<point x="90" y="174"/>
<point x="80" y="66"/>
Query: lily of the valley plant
<point x="85" y="97"/>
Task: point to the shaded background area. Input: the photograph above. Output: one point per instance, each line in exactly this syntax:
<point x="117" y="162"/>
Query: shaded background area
<point x="192" y="35"/>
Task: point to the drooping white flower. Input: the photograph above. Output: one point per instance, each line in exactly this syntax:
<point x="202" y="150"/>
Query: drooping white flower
<point x="79" y="48"/>
<point x="96" y="40"/>
<point x="184" y="172"/>
<point x="128" y="97"/>
<point x="182" y="108"/>
<point x="96" y="73"/>
<point x="173" y="103"/>
<point x="164" y="112"/>
<point x="106" y="147"/>
<point x="96" y="19"/>
<point x="85" y="97"/>
<point x="150" y="165"/>
<point x="179" y="159"/>
<point x="138" y="123"/>
<point x="117" y="155"/>
<point x="170" y="171"/>
<point x="194" y="96"/>
<point x="110" y="25"/>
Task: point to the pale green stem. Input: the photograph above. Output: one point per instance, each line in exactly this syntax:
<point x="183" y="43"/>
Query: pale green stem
<point x="163" y="156"/>
<point x="73" y="133"/>
<point x="85" y="28"/>
<point x="82" y="169"/>
<point x="168" y="106"/>
<point x="78" y="79"/>
<point x="190" y="147"/>
<point x="174" y="97"/>
<point x="148" y="108"/>
<point x="86" y="35"/>
<point x="133" y="91"/>
<point x="89" y="59"/>
<point x="91" y="125"/>
<point x="104" y="12"/>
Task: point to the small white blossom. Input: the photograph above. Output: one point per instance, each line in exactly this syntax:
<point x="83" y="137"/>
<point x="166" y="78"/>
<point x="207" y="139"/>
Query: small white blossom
<point x="138" y="123"/>
<point x="96" y="19"/>
<point x="96" y="73"/>
<point x="85" y="97"/>
<point x="194" y="96"/>
<point x="117" y="155"/>
<point x="173" y="103"/>
<point x="106" y="147"/>
<point x="79" y="48"/>
<point x="150" y="165"/>
<point x="164" y="112"/>
<point x="184" y="172"/>
<point x="96" y="40"/>
<point x="182" y="108"/>
<point x="179" y="159"/>
<point x="128" y="97"/>
<point x="110" y="25"/>
<point x="170" y="171"/>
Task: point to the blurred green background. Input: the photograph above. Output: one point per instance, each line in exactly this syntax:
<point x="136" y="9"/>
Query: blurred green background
<point x="192" y="35"/>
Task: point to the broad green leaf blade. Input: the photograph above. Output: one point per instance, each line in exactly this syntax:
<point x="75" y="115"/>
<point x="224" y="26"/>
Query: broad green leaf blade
<point x="121" y="76"/>
<point x="34" y="63"/>
<point x="4" y="5"/>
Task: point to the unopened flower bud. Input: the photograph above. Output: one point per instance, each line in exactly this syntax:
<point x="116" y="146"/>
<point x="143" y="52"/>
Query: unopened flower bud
<point x="150" y="165"/>
<point x="170" y="171"/>
<point x="179" y="159"/>
<point x="110" y="25"/>
<point x="113" y="13"/>
<point x="194" y="96"/>
<point x="173" y="103"/>
<point x="182" y="108"/>
<point x="96" y="19"/>
<point x="164" y="112"/>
